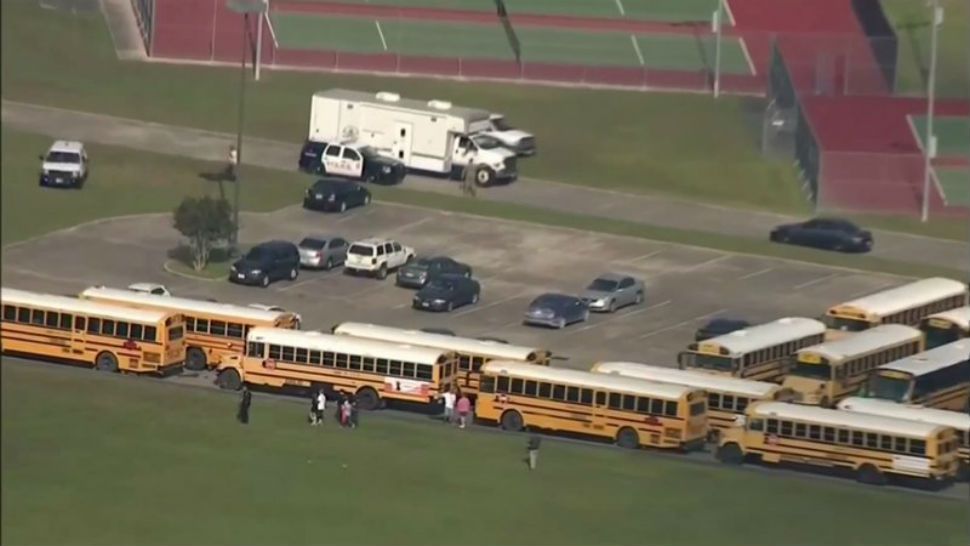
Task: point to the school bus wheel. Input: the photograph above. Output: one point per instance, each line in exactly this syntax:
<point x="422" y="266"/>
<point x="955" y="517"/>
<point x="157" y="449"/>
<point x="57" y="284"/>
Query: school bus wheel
<point x="195" y="359"/>
<point x="871" y="475"/>
<point x="512" y="420"/>
<point x="628" y="438"/>
<point x="367" y="399"/>
<point x="106" y="362"/>
<point x="229" y="380"/>
<point x="730" y="454"/>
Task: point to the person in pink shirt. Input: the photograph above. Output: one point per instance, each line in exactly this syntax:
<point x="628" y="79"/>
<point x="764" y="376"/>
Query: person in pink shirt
<point x="464" y="408"/>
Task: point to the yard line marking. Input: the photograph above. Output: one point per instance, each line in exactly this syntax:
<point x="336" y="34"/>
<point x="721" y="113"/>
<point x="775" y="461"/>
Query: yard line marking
<point x="619" y="6"/>
<point x="756" y="273"/>
<point x="492" y="304"/>
<point x="747" y="57"/>
<point x="622" y="315"/>
<point x="381" y="32"/>
<point x="684" y="323"/>
<point x="815" y="281"/>
<point x="636" y="47"/>
<point x="730" y="14"/>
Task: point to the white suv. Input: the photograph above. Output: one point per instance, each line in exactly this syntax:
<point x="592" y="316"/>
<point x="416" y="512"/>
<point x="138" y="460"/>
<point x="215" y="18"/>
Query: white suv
<point x="64" y="165"/>
<point x="377" y="256"/>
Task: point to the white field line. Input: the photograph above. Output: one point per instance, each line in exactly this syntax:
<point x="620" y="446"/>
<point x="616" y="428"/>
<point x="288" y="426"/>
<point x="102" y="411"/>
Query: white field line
<point x="756" y="273"/>
<point x="272" y="31"/>
<point x="815" y="281"/>
<point x="381" y="33"/>
<point x="924" y="147"/>
<point x="636" y="47"/>
<point x="730" y="14"/>
<point x="747" y="57"/>
<point x="619" y="6"/>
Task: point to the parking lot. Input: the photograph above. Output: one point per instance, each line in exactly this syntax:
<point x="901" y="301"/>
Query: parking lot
<point x="515" y="262"/>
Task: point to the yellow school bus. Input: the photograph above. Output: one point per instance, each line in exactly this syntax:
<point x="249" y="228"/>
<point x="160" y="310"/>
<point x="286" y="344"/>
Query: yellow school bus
<point x="871" y="446"/>
<point x="946" y="327"/>
<point x="957" y="420"/>
<point x="938" y="378"/>
<point x="472" y="353"/>
<point x="373" y="371"/>
<point x="727" y="397"/>
<point x="826" y="373"/>
<point x="760" y="353"/>
<point x="109" y="338"/>
<point x="213" y="330"/>
<point x="907" y="304"/>
<point x="632" y="412"/>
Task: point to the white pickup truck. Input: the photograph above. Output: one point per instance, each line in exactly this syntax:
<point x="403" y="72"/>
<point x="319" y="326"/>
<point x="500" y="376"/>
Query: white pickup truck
<point x="520" y="142"/>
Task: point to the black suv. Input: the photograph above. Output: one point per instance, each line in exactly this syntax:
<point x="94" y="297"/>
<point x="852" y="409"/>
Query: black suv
<point x="265" y="263"/>
<point x="334" y="194"/>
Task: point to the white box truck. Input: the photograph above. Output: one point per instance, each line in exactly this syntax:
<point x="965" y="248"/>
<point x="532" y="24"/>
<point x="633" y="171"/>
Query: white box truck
<point x="433" y="136"/>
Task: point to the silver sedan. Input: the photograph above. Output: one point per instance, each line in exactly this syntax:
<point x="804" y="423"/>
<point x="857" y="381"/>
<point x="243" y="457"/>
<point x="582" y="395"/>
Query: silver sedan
<point x="611" y="291"/>
<point x="322" y="252"/>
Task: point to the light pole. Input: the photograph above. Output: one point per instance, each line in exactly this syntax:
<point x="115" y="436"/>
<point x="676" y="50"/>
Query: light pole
<point x="929" y="148"/>
<point x="716" y="22"/>
<point x="244" y="8"/>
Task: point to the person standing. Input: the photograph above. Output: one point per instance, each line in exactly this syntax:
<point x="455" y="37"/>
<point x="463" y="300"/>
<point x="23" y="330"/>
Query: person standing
<point x="464" y="408"/>
<point x="449" y="398"/>
<point x="246" y="400"/>
<point x="313" y="410"/>
<point x="321" y="406"/>
<point x="345" y="412"/>
<point x="533" y="447"/>
<point x="233" y="163"/>
<point x="354" y="413"/>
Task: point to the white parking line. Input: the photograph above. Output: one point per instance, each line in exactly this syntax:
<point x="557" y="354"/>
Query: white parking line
<point x="756" y="273"/>
<point x="815" y="281"/>
<point x="705" y="264"/>
<point x="643" y="257"/>
<point x="622" y="315"/>
<point x="413" y="224"/>
<point x="492" y="304"/>
<point x="680" y="324"/>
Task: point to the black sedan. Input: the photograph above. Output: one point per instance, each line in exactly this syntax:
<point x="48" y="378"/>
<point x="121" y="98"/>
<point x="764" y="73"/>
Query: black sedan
<point x="826" y="234"/>
<point x="446" y="292"/>
<point x="334" y="194"/>
<point x="719" y="327"/>
<point x="556" y="310"/>
<point x="419" y="272"/>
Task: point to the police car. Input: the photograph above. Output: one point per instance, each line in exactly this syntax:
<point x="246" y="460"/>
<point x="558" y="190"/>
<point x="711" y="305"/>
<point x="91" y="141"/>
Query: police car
<point x="349" y="161"/>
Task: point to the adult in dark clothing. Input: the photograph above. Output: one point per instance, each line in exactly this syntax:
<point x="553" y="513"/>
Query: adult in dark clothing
<point x="244" y="403"/>
<point x="534" y="442"/>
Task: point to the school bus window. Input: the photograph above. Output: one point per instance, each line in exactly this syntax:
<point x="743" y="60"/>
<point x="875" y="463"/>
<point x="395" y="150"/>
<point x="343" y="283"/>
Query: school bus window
<point x="275" y="351"/>
<point x="151" y="333"/>
<point x="757" y="425"/>
<point x="670" y="409"/>
<point x="531" y="388"/>
<point x="572" y="394"/>
<point x="9" y="312"/>
<point x="828" y="434"/>
<point x="234" y="330"/>
<point x="217" y="328"/>
<point x="727" y="402"/>
<point x="558" y="392"/>
<point x="51" y="320"/>
<point x="37" y="317"/>
<point x="872" y="440"/>
<point x="477" y="362"/>
<point x="425" y="372"/>
<point x="23" y="315"/>
<point x="488" y="385"/>
<point x="313" y="358"/>
<point x="190" y="324"/>
<point x="800" y="430"/>
<point x="656" y="406"/>
<point x="586" y="397"/>
<point x="94" y="326"/>
<point x="615" y="401"/>
<point x="643" y="405"/>
<point x="202" y="326"/>
<point x="843" y="436"/>
<point x="300" y="355"/>
<point x="885" y="442"/>
<point x="464" y="362"/>
<point x="786" y="428"/>
<point x="65" y="322"/>
<point x="108" y="327"/>
<point x="516" y="386"/>
<point x="714" y="400"/>
<point x="917" y="447"/>
<point x="503" y="385"/>
<point x="353" y="363"/>
<point x="122" y="329"/>
<point x="772" y="426"/>
<point x="367" y="363"/>
<point x="382" y="364"/>
<point x="286" y="353"/>
<point x="740" y="403"/>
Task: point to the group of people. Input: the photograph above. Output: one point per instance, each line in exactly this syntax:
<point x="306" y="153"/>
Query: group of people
<point x="457" y="407"/>
<point x="347" y="412"/>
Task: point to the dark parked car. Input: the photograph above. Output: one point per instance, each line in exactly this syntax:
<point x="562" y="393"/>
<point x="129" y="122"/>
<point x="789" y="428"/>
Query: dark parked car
<point x="719" y="327"/>
<point x="334" y="194"/>
<point x="419" y="272"/>
<point x="825" y="233"/>
<point x="556" y="310"/>
<point x="357" y="163"/>
<point x="265" y="263"/>
<point x="446" y="292"/>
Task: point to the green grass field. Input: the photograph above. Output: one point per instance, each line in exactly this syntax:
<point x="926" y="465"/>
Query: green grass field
<point x="955" y="182"/>
<point x="93" y="459"/>
<point x="475" y="41"/>
<point x="684" y="145"/>
<point x="650" y="10"/>
<point x="952" y="134"/>
<point x="911" y="20"/>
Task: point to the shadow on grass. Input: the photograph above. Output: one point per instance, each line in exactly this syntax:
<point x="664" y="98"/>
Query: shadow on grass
<point x="181" y="259"/>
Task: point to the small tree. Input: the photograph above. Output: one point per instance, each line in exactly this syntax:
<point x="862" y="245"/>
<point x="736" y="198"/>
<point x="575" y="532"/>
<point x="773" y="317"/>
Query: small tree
<point x="205" y="222"/>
